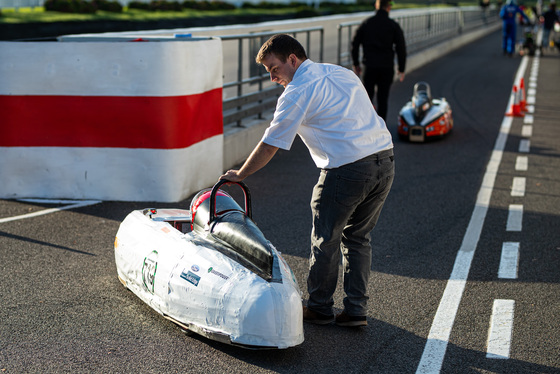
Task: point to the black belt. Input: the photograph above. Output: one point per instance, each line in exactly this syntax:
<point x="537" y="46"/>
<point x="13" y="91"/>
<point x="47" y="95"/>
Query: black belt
<point x="380" y="155"/>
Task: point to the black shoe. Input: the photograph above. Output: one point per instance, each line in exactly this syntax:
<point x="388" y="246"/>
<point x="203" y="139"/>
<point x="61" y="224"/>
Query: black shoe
<point x="316" y="317"/>
<point x="343" y="319"/>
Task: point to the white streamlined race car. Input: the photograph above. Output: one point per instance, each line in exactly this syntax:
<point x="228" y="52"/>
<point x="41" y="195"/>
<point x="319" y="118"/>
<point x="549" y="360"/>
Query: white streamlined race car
<point x="223" y="280"/>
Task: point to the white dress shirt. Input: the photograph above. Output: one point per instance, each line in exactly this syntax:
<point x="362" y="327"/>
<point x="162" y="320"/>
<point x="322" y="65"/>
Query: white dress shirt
<point x="328" y="107"/>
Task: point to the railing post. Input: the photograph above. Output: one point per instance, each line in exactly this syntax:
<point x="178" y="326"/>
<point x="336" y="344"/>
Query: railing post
<point x="322" y="45"/>
<point x="350" y="42"/>
<point x="239" y="71"/>
<point x="338" y="44"/>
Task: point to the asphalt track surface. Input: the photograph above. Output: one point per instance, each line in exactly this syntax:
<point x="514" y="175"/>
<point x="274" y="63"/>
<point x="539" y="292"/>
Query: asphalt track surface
<point x="63" y="309"/>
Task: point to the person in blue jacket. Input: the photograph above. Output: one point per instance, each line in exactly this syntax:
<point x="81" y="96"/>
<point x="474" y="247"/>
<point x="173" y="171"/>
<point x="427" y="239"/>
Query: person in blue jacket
<point x="508" y="14"/>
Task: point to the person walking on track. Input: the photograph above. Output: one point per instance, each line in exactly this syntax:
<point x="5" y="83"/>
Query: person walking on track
<point x="380" y="38"/>
<point x="508" y="15"/>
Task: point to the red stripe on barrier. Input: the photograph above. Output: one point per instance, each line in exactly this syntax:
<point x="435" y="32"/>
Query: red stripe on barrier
<point x="117" y="121"/>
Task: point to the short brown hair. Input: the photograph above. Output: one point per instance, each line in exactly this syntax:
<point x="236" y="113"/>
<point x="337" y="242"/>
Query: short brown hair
<point x="282" y="46"/>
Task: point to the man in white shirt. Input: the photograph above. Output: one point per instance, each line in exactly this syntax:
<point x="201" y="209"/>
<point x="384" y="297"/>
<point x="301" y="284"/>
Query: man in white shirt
<point x="329" y="108"/>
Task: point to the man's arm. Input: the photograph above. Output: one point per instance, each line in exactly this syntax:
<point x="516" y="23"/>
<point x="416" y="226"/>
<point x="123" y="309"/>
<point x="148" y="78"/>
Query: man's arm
<point x="260" y="156"/>
<point x="400" y="47"/>
<point x="356" y="41"/>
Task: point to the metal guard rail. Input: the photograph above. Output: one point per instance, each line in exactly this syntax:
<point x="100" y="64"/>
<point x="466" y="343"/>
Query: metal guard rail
<point x="422" y="30"/>
<point x="245" y="105"/>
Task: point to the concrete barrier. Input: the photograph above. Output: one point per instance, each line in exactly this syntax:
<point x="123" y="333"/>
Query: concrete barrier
<point x="111" y="119"/>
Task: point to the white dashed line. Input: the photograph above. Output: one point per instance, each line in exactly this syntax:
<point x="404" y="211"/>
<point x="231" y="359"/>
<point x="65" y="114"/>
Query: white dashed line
<point x="440" y="331"/>
<point x="524" y="145"/>
<point x="515" y="217"/>
<point x="527" y="131"/>
<point x="501" y="322"/>
<point x="522" y="163"/>
<point x="438" y="337"/>
<point x="518" y="186"/>
<point x="509" y="261"/>
<point x="501" y="326"/>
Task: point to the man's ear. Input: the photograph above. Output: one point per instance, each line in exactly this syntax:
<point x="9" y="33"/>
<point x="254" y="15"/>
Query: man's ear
<point x="292" y="59"/>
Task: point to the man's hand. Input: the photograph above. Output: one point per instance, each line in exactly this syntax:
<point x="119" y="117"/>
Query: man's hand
<point x="358" y="70"/>
<point x="232" y="175"/>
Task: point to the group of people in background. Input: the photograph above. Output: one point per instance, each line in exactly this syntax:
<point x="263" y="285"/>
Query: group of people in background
<point x="509" y="14"/>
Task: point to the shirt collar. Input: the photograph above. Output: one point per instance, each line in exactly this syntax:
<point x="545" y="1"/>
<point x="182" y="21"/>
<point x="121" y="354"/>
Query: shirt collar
<point x="301" y="69"/>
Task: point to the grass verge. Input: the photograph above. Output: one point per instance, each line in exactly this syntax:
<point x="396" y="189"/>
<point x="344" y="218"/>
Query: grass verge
<point x="38" y="14"/>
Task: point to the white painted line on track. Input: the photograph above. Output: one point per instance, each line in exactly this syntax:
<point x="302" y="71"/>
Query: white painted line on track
<point x="524" y="145"/>
<point x="521" y="163"/>
<point x="72" y="205"/>
<point x="518" y="186"/>
<point x="529" y="119"/>
<point x="527" y="131"/>
<point x="509" y="261"/>
<point x="501" y="326"/>
<point x="438" y="337"/>
<point x="515" y="217"/>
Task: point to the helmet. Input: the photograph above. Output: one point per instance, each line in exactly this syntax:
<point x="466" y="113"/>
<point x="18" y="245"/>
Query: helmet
<point x="421" y="99"/>
<point x="200" y="197"/>
<point x="201" y="204"/>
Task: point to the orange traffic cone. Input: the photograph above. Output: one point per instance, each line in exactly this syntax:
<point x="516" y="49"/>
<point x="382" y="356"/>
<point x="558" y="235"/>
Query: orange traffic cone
<point x="515" y="110"/>
<point x="523" y="100"/>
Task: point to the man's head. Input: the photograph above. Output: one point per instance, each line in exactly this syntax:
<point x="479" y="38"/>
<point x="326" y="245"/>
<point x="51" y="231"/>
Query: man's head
<point x="281" y="45"/>
<point x="281" y="55"/>
<point x="383" y="4"/>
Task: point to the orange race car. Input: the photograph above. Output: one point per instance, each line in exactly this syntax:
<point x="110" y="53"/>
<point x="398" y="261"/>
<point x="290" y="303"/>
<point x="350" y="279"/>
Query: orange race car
<point x="424" y="117"/>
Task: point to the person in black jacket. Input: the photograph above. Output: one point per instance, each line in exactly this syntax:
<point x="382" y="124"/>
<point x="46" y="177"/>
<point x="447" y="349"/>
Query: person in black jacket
<point x="380" y="37"/>
<point x="549" y="18"/>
